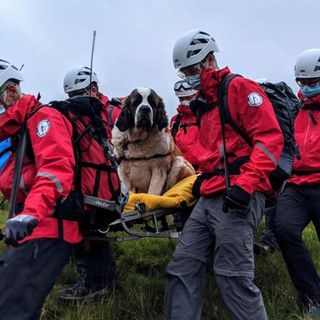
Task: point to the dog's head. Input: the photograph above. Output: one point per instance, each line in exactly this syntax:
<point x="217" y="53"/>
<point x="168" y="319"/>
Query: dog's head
<point x="143" y="109"/>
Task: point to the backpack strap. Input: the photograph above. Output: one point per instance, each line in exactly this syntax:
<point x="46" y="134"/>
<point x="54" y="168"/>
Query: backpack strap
<point x="310" y="107"/>
<point x="224" y="107"/>
<point x="225" y="118"/>
<point x="20" y="153"/>
<point x="223" y="96"/>
<point x="185" y="125"/>
<point x="176" y="125"/>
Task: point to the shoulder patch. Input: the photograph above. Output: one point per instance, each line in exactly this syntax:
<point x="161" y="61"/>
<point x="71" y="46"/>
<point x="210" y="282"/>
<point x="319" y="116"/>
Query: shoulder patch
<point x="255" y="99"/>
<point x="43" y="127"/>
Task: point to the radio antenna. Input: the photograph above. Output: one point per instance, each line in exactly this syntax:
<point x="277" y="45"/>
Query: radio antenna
<point x="92" y="53"/>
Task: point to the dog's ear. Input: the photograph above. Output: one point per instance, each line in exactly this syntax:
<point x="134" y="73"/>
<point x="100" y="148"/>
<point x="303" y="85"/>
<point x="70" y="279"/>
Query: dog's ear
<point x="161" y="117"/>
<point x="125" y="119"/>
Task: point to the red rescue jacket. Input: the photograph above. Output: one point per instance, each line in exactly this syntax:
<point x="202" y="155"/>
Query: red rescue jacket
<point x="187" y="134"/>
<point x="255" y="117"/>
<point x="111" y="111"/>
<point x="49" y="176"/>
<point x="306" y="169"/>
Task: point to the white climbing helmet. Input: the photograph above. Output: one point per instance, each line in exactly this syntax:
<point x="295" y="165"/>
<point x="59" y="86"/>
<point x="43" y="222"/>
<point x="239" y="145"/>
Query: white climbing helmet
<point x="192" y="48"/>
<point x="308" y="64"/>
<point x="78" y="79"/>
<point x="8" y="71"/>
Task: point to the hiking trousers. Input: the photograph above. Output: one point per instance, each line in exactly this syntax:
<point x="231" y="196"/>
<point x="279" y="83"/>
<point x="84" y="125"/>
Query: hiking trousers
<point x="268" y="236"/>
<point x="297" y="207"/>
<point x="95" y="264"/>
<point x="229" y="238"/>
<point x="27" y="274"/>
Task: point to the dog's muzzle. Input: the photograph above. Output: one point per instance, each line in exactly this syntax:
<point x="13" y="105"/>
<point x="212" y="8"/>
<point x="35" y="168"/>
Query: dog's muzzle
<point x="144" y="117"/>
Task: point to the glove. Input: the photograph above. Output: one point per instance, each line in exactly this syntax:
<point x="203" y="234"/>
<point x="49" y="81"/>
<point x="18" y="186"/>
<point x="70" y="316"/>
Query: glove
<point x="115" y="102"/>
<point x="236" y="199"/>
<point x="19" y="227"/>
<point x="199" y="106"/>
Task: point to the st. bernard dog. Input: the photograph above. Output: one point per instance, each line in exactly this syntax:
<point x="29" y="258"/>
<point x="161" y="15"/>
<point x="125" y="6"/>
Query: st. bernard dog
<point x="149" y="161"/>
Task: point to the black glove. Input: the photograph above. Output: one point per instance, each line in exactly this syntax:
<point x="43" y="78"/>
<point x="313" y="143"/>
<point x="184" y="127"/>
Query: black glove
<point x="236" y="199"/>
<point x="19" y="227"/>
<point x="115" y="102"/>
<point x="199" y="106"/>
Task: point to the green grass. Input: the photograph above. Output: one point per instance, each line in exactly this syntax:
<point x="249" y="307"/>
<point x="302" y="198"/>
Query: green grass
<point x="141" y="269"/>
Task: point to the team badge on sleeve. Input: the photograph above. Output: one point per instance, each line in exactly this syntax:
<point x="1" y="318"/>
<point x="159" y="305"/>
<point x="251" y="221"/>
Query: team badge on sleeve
<point x="255" y="99"/>
<point x="42" y="128"/>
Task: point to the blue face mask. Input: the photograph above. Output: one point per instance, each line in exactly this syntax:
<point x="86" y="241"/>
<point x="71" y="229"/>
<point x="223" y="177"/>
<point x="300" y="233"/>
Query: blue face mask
<point x="194" y="81"/>
<point x="310" y="91"/>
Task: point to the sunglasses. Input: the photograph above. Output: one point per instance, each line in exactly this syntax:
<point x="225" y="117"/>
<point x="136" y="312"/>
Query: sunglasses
<point x="311" y="82"/>
<point x="190" y="71"/>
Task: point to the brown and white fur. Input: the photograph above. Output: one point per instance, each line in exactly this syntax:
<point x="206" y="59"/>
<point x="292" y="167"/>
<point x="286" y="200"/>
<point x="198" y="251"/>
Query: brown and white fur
<point x="150" y="162"/>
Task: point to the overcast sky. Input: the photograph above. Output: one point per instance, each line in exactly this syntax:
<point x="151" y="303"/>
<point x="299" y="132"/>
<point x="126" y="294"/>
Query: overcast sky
<point x="257" y="38"/>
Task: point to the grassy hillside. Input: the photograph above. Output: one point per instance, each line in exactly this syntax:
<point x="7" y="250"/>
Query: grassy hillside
<point x="141" y="268"/>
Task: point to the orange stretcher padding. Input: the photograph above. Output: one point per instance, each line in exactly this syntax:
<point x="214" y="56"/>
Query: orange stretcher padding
<point x="180" y="193"/>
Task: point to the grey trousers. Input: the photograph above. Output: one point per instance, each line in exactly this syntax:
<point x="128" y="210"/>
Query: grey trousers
<point x="229" y="237"/>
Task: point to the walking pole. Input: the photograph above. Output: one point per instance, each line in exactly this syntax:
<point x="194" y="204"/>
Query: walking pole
<point x="21" y="150"/>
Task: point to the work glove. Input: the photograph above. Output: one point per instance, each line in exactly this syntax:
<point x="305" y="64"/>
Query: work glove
<point x="19" y="227"/>
<point x="237" y="199"/>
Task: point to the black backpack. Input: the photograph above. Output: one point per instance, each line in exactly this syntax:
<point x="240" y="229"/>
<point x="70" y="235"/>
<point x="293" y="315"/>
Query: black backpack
<point x="286" y="106"/>
<point x="93" y="203"/>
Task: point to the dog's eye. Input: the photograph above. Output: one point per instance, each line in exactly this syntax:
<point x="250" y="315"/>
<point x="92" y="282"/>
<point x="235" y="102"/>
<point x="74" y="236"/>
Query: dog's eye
<point x="137" y="101"/>
<point x="151" y="101"/>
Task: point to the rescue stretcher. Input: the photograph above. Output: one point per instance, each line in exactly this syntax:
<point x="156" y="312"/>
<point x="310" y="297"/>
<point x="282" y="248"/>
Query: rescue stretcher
<point x="146" y="215"/>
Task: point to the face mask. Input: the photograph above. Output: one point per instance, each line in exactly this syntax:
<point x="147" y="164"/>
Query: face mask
<point x="310" y="91"/>
<point x="194" y="81"/>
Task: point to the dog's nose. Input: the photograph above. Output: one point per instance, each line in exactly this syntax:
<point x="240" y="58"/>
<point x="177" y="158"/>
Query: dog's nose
<point x="145" y="109"/>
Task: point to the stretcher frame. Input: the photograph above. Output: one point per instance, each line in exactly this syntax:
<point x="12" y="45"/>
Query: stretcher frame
<point x="127" y="220"/>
